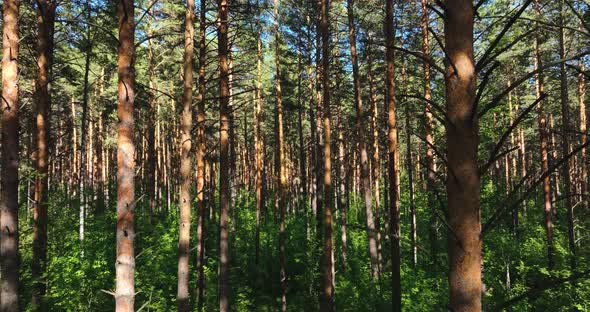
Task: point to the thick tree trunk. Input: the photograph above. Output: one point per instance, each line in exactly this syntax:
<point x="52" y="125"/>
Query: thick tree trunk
<point x="224" y="157"/>
<point x="463" y="184"/>
<point x="45" y="24"/>
<point x="365" y="172"/>
<point x="200" y="156"/>
<point x="185" y="161"/>
<point x="125" y="264"/>
<point x="9" y="257"/>
<point x="327" y="291"/>
<point x="392" y="151"/>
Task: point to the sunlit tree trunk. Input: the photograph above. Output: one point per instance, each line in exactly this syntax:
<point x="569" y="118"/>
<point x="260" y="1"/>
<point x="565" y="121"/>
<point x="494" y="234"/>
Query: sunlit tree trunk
<point x="186" y="124"/>
<point x="125" y="264"/>
<point x="463" y="181"/>
<point x="45" y="25"/>
<point x="258" y="153"/>
<point x="9" y="257"/>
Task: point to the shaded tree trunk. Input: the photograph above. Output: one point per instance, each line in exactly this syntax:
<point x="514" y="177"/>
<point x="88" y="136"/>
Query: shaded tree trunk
<point x="200" y="156"/>
<point x="327" y="290"/>
<point x="9" y="257"/>
<point x="125" y="264"/>
<point x="224" y="156"/>
<point x="365" y="172"/>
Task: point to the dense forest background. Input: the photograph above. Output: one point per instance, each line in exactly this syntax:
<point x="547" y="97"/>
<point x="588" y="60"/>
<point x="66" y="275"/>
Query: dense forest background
<point x="310" y="145"/>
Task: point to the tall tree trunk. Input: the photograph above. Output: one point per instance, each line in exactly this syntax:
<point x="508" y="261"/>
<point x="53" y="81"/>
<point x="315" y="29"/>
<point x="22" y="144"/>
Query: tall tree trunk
<point x="429" y="132"/>
<point x="84" y="133"/>
<point x="327" y="292"/>
<point x="224" y="157"/>
<point x="365" y="173"/>
<point x="392" y="151"/>
<point x="201" y="149"/>
<point x="9" y="257"/>
<point x="463" y="182"/>
<point x="565" y="142"/>
<point x="583" y="139"/>
<point x="150" y="167"/>
<point x="185" y="161"/>
<point x="376" y="166"/>
<point x="543" y="138"/>
<point x="280" y="159"/>
<point x="125" y="264"/>
<point x="45" y="24"/>
<point x="99" y="174"/>
<point x="258" y="144"/>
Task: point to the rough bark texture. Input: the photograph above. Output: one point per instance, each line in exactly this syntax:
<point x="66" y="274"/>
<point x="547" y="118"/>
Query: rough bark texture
<point x="200" y="156"/>
<point x="463" y="181"/>
<point x="259" y="161"/>
<point x="224" y="157"/>
<point x="9" y="257"/>
<point x="125" y="264"/>
<point x="186" y="124"/>
<point x="45" y="25"/>
<point x="392" y="151"/>
<point x="327" y="290"/>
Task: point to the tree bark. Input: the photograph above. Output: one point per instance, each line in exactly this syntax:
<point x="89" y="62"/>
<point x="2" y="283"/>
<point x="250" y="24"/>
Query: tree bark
<point x="463" y="181"/>
<point x="125" y="264"/>
<point x="45" y="25"/>
<point x="185" y="161"/>
<point x="392" y="151"/>
<point x="201" y="150"/>
<point x="365" y="173"/>
<point x="280" y="159"/>
<point x="224" y="157"/>
<point x="565" y="142"/>
<point x="258" y="153"/>
<point x="327" y="292"/>
<point x="9" y="257"/>
<point x="543" y="138"/>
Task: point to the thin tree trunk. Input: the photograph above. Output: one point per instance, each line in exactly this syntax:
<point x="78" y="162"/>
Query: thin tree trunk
<point x="327" y="292"/>
<point x="151" y="129"/>
<point x="125" y="264"/>
<point x="9" y="257"/>
<point x="224" y="157"/>
<point x="565" y="142"/>
<point x="185" y="161"/>
<point x="201" y="149"/>
<point x="280" y="159"/>
<point x="429" y="133"/>
<point x="463" y="182"/>
<point x="365" y="173"/>
<point x="543" y="138"/>
<point x="583" y="139"/>
<point x="259" y="161"/>
<point x="45" y="24"/>
<point x="84" y="133"/>
<point x="392" y="151"/>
